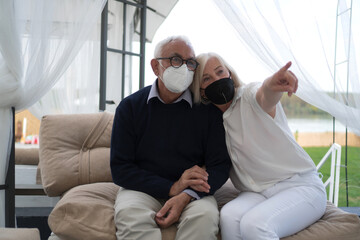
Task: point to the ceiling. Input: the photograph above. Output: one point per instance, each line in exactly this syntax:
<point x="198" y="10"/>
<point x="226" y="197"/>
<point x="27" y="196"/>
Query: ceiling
<point x="157" y="11"/>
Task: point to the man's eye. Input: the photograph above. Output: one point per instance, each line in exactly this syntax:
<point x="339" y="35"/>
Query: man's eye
<point x="177" y="60"/>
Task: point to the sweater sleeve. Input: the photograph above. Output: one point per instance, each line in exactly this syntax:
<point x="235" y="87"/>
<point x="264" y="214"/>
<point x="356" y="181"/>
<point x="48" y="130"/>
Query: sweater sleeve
<point x="217" y="160"/>
<point x="124" y="170"/>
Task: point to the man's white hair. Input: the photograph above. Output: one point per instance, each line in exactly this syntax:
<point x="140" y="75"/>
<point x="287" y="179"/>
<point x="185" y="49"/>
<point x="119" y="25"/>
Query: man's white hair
<point x="159" y="47"/>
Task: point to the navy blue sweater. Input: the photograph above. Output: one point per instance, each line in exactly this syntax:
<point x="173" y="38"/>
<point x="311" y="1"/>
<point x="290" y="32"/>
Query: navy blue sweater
<point x="153" y="143"/>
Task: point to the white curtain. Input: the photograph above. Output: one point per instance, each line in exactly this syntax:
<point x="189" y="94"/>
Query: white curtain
<point x="320" y="45"/>
<point x="38" y="41"/>
<point x="77" y="90"/>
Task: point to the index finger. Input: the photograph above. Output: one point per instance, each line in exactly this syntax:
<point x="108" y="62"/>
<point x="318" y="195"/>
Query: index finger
<point x="163" y="211"/>
<point x="286" y="67"/>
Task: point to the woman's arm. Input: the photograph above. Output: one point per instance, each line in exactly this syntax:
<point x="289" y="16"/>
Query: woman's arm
<point x="269" y="94"/>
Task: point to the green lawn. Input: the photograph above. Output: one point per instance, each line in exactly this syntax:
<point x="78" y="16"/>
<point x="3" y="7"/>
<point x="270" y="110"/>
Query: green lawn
<point x="353" y="173"/>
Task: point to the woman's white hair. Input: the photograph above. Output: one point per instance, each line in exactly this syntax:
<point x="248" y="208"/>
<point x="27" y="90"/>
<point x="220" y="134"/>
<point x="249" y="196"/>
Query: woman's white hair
<point x="160" y="46"/>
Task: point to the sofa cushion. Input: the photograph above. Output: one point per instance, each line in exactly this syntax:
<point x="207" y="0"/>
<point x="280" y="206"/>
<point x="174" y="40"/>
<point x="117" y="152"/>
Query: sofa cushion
<point x="85" y="212"/>
<point x="226" y="193"/>
<point x="334" y="225"/>
<point x="19" y="233"/>
<point x="74" y="150"/>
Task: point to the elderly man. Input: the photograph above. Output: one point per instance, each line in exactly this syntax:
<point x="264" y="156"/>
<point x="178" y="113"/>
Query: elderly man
<point x="168" y="154"/>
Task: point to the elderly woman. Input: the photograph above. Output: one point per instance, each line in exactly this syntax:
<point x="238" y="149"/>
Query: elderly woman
<point x="281" y="192"/>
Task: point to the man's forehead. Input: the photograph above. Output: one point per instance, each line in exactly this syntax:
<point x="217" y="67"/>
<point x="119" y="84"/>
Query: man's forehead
<point x="178" y="48"/>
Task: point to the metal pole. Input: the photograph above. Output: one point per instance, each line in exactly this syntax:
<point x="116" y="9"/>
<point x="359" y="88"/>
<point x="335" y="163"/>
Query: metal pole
<point x="347" y="103"/>
<point x="335" y="64"/>
<point x="142" y="45"/>
<point x="123" y="65"/>
<point x="10" y="181"/>
<point x="103" y="58"/>
<point x="349" y="9"/>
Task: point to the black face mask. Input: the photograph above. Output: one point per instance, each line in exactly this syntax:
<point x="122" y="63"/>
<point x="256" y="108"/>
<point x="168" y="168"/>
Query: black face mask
<point x="221" y="91"/>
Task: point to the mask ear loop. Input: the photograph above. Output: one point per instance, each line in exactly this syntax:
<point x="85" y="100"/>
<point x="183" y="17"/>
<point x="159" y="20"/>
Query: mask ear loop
<point x="232" y="82"/>
<point x="161" y="64"/>
<point x="162" y="67"/>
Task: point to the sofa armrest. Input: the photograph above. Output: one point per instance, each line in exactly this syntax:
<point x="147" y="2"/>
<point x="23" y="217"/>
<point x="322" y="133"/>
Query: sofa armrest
<point x="26" y="156"/>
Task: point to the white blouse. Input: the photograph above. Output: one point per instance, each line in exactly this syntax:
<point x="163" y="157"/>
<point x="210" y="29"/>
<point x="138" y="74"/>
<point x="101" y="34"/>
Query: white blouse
<point x="262" y="149"/>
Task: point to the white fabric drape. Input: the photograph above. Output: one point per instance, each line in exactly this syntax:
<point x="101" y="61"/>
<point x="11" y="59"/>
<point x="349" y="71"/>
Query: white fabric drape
<point x="304" y="32"/>
<point x="77" y="90"/>
<point x="38" y="41"/>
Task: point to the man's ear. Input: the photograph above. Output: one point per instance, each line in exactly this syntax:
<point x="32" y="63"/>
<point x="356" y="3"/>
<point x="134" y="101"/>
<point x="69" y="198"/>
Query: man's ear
<point x="155" y="66"/>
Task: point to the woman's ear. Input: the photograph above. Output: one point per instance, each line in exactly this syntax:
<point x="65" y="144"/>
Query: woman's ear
<point x="155" y="66"/>
<point x="202" y="93"/>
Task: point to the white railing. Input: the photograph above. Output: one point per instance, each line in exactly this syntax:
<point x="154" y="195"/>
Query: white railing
<point x="334" y="180"/>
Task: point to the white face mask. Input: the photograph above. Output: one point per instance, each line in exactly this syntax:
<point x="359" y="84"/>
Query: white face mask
<point x="177" y="80"/>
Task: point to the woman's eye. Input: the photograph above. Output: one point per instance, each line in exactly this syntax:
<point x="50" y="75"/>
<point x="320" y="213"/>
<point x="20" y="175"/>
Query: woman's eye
<point x="206" y="79"/>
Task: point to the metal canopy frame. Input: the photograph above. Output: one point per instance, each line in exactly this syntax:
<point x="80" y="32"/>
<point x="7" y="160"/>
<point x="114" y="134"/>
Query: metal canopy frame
<point x="9" y="186"/>
<point x="142" y="6"/>
<point x="337" y="63"/>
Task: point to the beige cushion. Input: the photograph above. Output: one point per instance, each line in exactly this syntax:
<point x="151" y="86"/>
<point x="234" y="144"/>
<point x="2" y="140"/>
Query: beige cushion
<point x="86" y="212"/>
<point x="19" y="234"/>
<point x="27" y="156"/>
<point x="336" y="224"/>
<point x="74" y="150"/>
<point x="226" y="193"/>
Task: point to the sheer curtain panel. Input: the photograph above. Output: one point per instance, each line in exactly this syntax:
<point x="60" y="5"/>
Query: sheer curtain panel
<point x="320" y="44"/>
<point x="77" y="90"/>
<point x="38" y="41"/>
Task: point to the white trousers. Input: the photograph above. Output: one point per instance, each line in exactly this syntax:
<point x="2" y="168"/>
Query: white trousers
<point x="135" y="212"/>
<point x="279" y="211"/>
